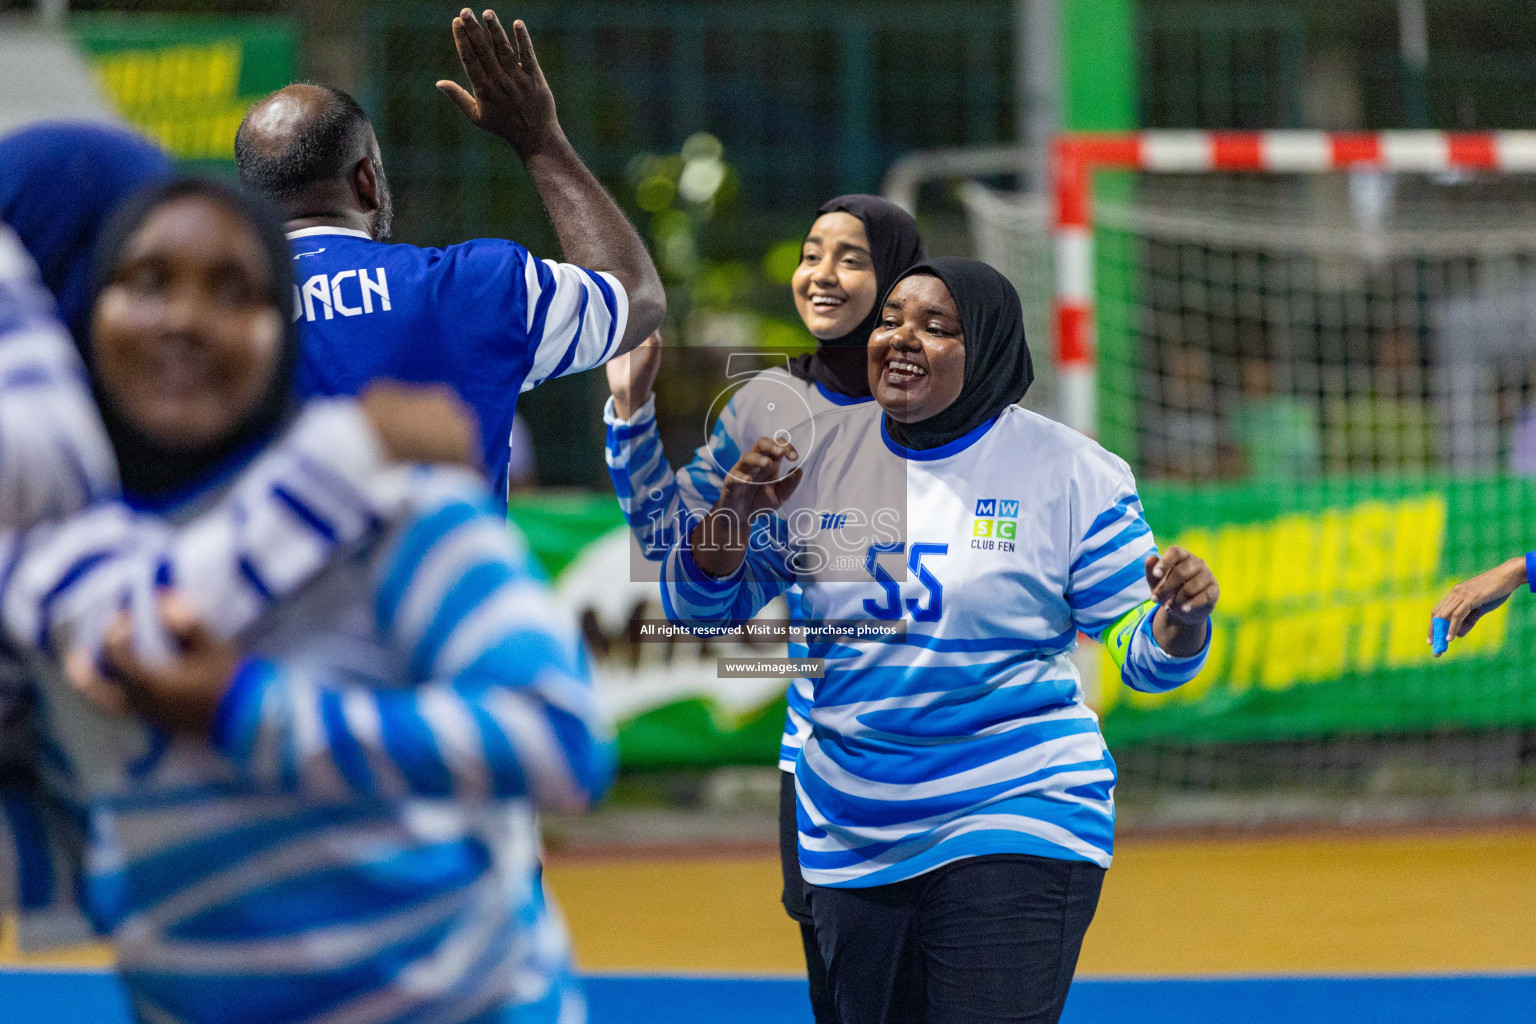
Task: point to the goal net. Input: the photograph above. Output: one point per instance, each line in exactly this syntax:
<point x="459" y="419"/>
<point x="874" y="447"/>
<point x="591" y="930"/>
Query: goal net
<point x="1319" y="356"/>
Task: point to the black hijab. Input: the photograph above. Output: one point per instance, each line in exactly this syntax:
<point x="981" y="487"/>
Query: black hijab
<point x="998" y="369"/>
<point x="839" y="364"/>
<point x="157" y="475"/>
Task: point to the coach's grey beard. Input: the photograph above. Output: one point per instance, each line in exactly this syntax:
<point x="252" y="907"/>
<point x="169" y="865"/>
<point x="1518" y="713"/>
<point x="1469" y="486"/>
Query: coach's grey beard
<point x="384" y="219"/>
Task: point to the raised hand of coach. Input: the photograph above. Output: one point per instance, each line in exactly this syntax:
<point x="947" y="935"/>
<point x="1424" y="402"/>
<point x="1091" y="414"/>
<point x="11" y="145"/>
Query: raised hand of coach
<point x="1185" y="590"/>
<point x="510" y="99"/>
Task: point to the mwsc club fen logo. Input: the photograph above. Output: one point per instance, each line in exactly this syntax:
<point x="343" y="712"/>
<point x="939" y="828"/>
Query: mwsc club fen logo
<point x="995" y="526"/>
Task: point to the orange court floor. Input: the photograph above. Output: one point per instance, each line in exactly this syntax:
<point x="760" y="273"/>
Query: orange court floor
<point x="1430" y="902"/>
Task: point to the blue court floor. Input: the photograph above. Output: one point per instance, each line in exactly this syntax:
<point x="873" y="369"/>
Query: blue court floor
<point x="76" y="997"/>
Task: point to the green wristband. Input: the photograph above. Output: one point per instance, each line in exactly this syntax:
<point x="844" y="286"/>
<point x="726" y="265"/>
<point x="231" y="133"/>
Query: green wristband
<point x="1118" y="637"/>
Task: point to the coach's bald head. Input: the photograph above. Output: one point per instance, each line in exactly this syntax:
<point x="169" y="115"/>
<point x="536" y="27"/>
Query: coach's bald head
<point x="312" y="151"/>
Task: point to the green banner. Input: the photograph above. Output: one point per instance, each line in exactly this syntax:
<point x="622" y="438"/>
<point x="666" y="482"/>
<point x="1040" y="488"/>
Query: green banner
<point x="1326" y="597"/>
<point x="671" y="709"/>
<point x="187" y="81"/>
<point x="1321" y="628"/>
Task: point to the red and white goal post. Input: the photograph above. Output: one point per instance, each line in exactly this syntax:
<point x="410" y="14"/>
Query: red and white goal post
<point x="1075" y="157"/>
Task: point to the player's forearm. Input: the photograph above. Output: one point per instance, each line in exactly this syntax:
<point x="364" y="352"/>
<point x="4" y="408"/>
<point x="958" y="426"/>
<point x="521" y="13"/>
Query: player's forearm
<point x="692" y="596"/>
<point x="1512" y="574"/>
<point x="1137" y="645"/>
<point x="320" y="489"/>
<point x="595" y="234"/>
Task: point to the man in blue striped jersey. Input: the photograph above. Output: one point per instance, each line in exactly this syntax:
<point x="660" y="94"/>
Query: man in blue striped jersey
<point x="484" y="316"/>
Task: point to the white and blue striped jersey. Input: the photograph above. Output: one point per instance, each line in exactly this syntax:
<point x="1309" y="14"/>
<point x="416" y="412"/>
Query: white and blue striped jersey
<point x="54" y="461"/>
<point x="318" y="493"/>
<point x="325" y="485"/>
<point x="968" y="736"/>
<point x="359" y="840"/>
<point x="54" y="454"/>
<point x="656" y="502"/>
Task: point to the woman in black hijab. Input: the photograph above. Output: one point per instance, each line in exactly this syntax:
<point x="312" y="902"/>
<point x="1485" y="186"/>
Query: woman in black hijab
<point x="192" y="349"/>
<point x="997" y="368"/>
<point x="855" y="250"/>
<point x="893" y="245"/>
<point x="954" y="798"/>
<point x="191" y="354"/>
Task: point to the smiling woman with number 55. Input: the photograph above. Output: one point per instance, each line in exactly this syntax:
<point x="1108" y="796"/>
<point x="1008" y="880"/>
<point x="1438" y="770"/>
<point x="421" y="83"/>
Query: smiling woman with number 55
<point x="955" y="793"/>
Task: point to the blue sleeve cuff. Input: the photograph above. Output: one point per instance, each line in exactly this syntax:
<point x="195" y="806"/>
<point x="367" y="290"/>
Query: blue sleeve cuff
<point x="1530" y="570"/>
<point x="1161" y="656"/>
<point x="234" y="722"/>
<point x="640" y="421"/>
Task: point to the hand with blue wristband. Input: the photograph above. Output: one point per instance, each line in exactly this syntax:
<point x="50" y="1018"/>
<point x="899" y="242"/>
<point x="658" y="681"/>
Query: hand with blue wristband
<point x="1468" y="602"/>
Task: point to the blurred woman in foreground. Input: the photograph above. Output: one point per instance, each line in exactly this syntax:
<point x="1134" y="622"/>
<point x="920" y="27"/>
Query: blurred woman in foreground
<point x="60" y="183"/>
<point x="333" y="817"/>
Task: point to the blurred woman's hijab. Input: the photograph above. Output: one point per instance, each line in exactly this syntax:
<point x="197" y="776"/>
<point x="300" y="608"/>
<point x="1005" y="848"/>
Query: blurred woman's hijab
<point x="998" y="368"/>
<point x="154" y="475"/>
<point x="59" y="184"/>
<point x="840" y="364"/>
